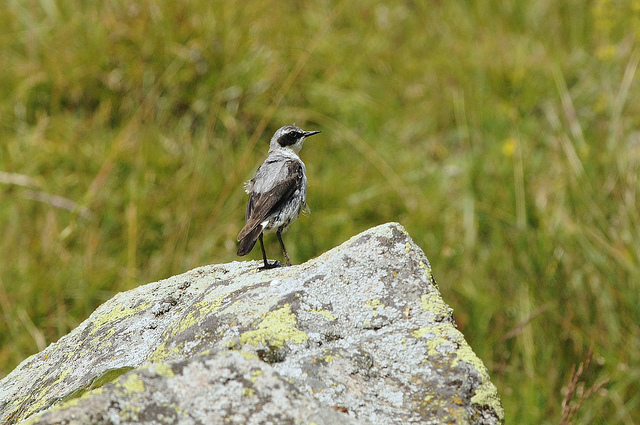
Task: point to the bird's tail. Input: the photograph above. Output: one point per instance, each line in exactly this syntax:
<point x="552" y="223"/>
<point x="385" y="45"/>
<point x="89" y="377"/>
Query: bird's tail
<point x="248" y="241"/>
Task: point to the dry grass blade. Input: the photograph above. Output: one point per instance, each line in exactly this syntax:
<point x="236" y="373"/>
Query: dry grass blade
<point x="520" y="326"/>
<point x="58" y="202"/>
<point x="569" y="109"/>
<point x="33" y="330"/>
<point x="577" y="395"/>
<point x="622" y="96"/>
<point x="17" y="179"/>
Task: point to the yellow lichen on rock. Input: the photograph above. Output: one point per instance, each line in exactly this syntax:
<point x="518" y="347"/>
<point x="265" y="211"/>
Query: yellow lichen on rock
<point x="276" y="328"/>
<point x="326" y="313"/>
<point x="486" y="394"/>
<point x="41" y="400"/>
<point x="433" y="302"/>
<point x="116" y="313"/>
<point x="132" y="384"/>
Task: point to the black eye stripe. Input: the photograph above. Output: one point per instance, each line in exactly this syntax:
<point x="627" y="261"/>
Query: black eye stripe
<point x="289" y="139"/>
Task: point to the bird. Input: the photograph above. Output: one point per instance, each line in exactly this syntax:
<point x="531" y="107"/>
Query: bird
<point x="277" y="192"/>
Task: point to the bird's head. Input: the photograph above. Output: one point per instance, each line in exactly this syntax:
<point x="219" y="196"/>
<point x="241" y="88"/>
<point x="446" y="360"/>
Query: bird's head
<point x="290" y="137"/>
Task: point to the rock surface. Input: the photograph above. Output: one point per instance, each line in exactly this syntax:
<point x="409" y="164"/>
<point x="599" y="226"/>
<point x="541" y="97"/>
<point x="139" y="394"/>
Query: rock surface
<point x="359" y="335"/>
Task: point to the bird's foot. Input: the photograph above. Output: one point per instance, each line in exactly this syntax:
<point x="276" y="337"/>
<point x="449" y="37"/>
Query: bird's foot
<point x="268" y="265"/>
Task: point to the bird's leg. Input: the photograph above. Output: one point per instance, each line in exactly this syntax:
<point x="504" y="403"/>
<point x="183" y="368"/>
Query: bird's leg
<point x="284" y="250"/>
<point x="264" y="254"/>
<point x="267" y="265"/>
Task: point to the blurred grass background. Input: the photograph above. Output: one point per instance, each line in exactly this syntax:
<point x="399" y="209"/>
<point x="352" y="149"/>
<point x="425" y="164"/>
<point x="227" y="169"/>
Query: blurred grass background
<point x="503" y="135"/>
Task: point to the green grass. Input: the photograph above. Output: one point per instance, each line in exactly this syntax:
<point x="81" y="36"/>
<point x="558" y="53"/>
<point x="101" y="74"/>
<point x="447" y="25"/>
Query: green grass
<point x="505" y="137"/>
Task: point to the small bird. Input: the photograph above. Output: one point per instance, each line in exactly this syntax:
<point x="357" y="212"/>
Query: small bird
<point x="277" y="193"/>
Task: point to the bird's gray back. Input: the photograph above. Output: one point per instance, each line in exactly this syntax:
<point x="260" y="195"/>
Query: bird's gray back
<point x="272" y="171"/>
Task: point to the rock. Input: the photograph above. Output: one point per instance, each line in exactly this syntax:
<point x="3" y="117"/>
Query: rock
<point x="359" y="335"/>
<point x="202" y="390"/>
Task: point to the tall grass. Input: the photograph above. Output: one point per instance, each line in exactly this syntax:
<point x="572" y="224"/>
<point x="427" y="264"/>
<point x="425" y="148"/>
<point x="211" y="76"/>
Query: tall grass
<point x="503" y="135"/>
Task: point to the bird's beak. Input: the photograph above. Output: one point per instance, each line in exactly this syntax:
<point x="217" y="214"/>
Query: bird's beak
<point x="311" y="133"/>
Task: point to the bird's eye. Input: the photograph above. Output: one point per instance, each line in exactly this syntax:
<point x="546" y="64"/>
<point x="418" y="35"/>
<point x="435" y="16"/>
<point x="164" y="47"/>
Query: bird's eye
<point x="289" y="138"/>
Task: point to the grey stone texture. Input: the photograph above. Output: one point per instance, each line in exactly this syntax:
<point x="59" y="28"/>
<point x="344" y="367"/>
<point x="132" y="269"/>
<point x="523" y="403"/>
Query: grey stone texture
<point x="358" y="335"/>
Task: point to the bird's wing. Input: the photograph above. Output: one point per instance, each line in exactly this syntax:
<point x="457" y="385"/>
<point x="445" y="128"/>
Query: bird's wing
<point x="262" y="204"/>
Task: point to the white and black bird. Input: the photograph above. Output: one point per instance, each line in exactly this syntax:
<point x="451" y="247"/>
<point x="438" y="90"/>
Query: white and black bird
<point x="277" y="193"/>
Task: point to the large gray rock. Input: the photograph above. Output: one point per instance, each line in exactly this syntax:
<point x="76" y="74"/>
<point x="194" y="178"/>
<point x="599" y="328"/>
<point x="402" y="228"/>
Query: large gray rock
<point x="359" y="335"/>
